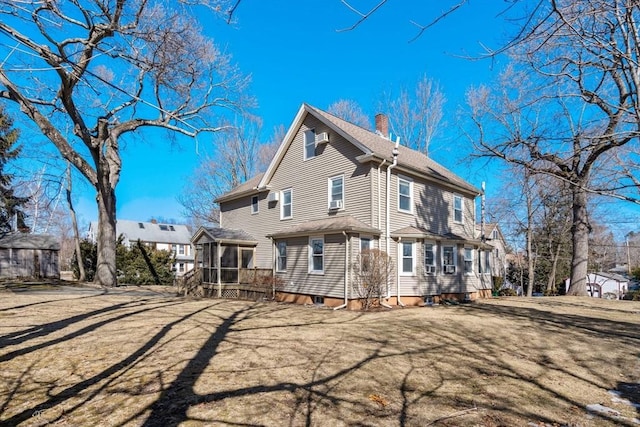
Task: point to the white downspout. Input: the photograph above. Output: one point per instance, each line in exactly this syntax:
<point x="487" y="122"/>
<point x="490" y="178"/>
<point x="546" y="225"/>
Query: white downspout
<point x="346" y="271"/>
<point x="400" y="303"/>
<point x="379" y="207"/>
<point x="387" y="226"/>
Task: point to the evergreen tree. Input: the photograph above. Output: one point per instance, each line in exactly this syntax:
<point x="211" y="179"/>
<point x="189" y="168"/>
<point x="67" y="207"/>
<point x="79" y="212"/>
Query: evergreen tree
<point x="10" y="203"/>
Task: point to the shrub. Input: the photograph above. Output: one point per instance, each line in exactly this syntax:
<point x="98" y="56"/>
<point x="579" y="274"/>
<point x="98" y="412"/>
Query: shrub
<point x="89" y="252"/>
<point x="373" y="270"/>
<point x="632" y="296"/>
<point x="507" y="292"/>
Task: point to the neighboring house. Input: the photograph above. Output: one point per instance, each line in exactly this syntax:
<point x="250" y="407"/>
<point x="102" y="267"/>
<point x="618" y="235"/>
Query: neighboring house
<point x="604" y="285"/>
<point x="29" y="256"/>
<point x="493" y="236"/>
<point x="174" y="238"/>
<point x="333" y="189"/>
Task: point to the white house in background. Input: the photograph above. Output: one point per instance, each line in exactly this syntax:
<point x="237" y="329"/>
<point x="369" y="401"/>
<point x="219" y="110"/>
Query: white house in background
<point x="605" y="285"/>
<point x="175" y="238"/>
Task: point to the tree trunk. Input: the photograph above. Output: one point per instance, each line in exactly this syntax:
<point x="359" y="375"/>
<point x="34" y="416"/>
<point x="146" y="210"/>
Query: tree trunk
<point x="74" y="222"/>
<point x="530" y="266"/>
<point x="580" y="240"/>
<point x="106" y="264"/>
<point x="551" y="282"/>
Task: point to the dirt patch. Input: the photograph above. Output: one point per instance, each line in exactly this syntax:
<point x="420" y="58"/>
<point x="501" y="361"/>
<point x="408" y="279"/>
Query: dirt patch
<point x="156" y="359"/>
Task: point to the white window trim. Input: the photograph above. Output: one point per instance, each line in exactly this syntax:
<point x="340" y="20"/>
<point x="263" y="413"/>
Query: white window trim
<point x="282" y="205"/>
<point x="455" y="258"/>
<point x="310" y="250"/>
<point x="464" y="256"/>
<point x="257" y="205"/>
<point x="410" y="181"/>
<point x="456" y="196"/>
<point x="304" y="143"/>
<point x="434" y="250"/>
<point x="401" y="258"/>
<point x="487" y="269"/>
<point x="329" y="195"/>
<point x="278" y="270"/>
<point x="366" y="237"/>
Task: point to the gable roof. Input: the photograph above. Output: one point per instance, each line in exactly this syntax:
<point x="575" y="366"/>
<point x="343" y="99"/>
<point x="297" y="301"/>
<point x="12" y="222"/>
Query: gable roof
<point x="151" y="232"/>
<point x="224" y="235"/>
<point x="373" y="146"/>
<point x="29" y="241"/>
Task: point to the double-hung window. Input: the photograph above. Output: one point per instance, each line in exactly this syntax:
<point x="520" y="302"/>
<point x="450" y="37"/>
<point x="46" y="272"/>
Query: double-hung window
<point x="449" y="259"/>
<point x="286" y="208"/>
<point x="407" y="260"/>
<point x="336" y="192"/>
<point x="405" y="195"/>
<point x="487" y="262"/>
<point x="457" y="208"/>
<point x="468" y="260"/>
<point x="316" y="255"/>
<point x="365" y="253"/>
<point x="309" y="144"/>
<point x="254" y="204"/>
<point x="281" y="256"/>
<point x="429" y="258"/>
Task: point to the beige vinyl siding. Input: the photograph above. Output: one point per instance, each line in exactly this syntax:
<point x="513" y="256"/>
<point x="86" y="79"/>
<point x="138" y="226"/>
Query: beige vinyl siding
<point x="236" y="214"/>
<point x="297" y="278"/>
<point x="432" y="209"/>
<point x="309" y="179"/>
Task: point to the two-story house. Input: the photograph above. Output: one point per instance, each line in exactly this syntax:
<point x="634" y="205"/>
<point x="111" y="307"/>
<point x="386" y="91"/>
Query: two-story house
<point x="334" y="189"/>
<point x="174" y="238"/>
<point x="495" y="238"/>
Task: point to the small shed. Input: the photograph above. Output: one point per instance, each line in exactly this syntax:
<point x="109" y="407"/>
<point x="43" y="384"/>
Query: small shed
<point x="605" y="285"/>
<point x="29" y="255"/>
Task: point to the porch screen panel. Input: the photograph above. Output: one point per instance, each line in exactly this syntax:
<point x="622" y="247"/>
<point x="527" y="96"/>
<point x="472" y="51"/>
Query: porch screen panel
<point x="229" y="263"/>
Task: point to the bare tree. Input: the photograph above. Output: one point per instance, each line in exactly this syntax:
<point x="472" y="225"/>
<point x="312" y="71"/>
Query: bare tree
<point x="350" y="111"/>
<point x="569" y="102"/>
<point x="373" y="270"/>
<point x="267" y="151"/>
<point x="107" y="69"/>
<point x="416" y="117"/>
<point x="233" y="161"/>
<point x="74" y="224"/>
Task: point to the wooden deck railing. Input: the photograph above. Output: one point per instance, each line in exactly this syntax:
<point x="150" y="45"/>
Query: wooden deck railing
<point x="253" y="284"/>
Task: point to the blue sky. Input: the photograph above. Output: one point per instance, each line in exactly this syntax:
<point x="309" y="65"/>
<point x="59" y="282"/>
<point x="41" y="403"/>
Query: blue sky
<point x="294" y="54"/>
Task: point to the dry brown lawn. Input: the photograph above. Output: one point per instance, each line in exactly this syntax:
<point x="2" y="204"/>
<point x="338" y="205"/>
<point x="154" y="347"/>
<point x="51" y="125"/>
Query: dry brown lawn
<point x="134" y="358"/>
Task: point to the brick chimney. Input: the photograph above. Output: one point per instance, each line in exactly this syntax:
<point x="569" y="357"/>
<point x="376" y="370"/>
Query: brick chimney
<point x="154" y="221"/>
<point x="382" y="125"/>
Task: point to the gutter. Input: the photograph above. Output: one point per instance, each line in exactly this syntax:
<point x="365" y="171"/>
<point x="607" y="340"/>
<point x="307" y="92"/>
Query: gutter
<point x="379" y="208"/>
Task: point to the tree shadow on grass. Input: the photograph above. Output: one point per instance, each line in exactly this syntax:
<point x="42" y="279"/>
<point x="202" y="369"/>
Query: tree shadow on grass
<point x="49" y="328"/>
<point x="114" y="369"/>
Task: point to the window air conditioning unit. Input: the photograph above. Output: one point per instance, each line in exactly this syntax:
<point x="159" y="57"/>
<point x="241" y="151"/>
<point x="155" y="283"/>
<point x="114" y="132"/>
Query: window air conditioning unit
<point x="430" y="269"/>
<point x="273" y="197"/>
<point x="449" y="269"/>
<point x="335" y="204"/>
<point x="322" y="138"/>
